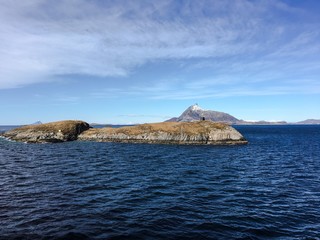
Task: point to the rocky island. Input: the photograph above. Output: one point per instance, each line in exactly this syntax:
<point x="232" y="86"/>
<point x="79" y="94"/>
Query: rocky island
<point x="198" y="133"/>
<point x="53" y="132"/>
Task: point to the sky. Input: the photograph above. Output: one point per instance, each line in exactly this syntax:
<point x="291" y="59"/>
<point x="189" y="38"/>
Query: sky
<point x="124" y="62"/>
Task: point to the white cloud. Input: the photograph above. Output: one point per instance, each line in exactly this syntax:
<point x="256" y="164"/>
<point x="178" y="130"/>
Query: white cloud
<point x="41" y="39"/>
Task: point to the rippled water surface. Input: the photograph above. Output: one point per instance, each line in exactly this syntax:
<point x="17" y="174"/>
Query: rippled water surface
<point x="269" y="188"/>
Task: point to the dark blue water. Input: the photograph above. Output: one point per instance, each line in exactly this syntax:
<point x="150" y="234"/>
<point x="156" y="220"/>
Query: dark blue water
<point x="7" y="128"/>
<point x="268" y="189"/>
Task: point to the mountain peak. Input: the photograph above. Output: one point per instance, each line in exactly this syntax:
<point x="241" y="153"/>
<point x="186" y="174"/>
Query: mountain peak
<point x="195" y="107"/>
<point x="36" y="123"/>
<point x="196" y="113"/>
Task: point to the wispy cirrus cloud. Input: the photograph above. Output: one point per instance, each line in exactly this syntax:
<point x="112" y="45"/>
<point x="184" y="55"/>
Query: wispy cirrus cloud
<point x="214" y="88"/>
<point x="239" y="43"/>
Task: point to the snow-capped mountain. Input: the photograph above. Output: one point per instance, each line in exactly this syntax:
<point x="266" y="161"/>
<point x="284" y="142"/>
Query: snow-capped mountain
<point x="196" y="113"/>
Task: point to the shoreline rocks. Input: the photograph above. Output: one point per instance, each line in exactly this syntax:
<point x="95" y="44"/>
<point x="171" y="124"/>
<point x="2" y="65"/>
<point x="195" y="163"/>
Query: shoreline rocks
<point x="193" y="133"/>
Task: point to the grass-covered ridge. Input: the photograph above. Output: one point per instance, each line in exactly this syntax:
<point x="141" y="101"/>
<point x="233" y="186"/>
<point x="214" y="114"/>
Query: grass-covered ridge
<point x="64" y="126"/>
<point x="166" y="127"/>
<point x="200" y="132"/>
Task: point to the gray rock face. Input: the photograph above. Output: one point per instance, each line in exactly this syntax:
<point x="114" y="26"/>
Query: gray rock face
<point x="195" y="113"/>
<point x="201" y="132"/>
<point x="50" y="132"/>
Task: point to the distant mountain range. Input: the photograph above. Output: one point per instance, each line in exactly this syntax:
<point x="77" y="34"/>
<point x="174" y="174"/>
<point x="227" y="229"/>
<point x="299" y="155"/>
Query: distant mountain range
<point x="196" y="113"/>
<point x="310" y="121"/>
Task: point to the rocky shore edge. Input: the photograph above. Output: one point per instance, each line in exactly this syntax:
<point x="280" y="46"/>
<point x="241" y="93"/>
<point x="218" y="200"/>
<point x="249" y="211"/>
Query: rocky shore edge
<point x="193" y="133"/>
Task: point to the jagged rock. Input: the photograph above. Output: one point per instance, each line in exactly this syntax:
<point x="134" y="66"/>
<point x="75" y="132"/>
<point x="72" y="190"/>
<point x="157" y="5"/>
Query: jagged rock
<point x="200" y="132"/>
<point x="50" y="132"/>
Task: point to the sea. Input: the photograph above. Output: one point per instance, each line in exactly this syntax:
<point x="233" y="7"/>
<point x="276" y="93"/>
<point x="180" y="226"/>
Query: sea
<point x="268" y="189"/>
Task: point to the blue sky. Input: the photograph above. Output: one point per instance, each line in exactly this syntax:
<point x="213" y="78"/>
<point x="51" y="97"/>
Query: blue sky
<point x="147" y="61"/>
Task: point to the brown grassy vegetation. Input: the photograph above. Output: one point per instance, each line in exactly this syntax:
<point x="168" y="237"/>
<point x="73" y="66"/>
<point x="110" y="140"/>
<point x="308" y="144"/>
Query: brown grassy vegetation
<point x="190" y="128"/>
<point x="65" y="127"/>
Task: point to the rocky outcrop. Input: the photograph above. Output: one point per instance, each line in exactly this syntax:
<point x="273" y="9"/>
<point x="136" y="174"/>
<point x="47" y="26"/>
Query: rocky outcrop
<point x="200" y="132"/>
<point x="61" y="131"/>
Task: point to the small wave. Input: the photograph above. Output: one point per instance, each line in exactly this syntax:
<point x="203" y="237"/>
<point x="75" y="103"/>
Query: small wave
<point x="85" y="190"/>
